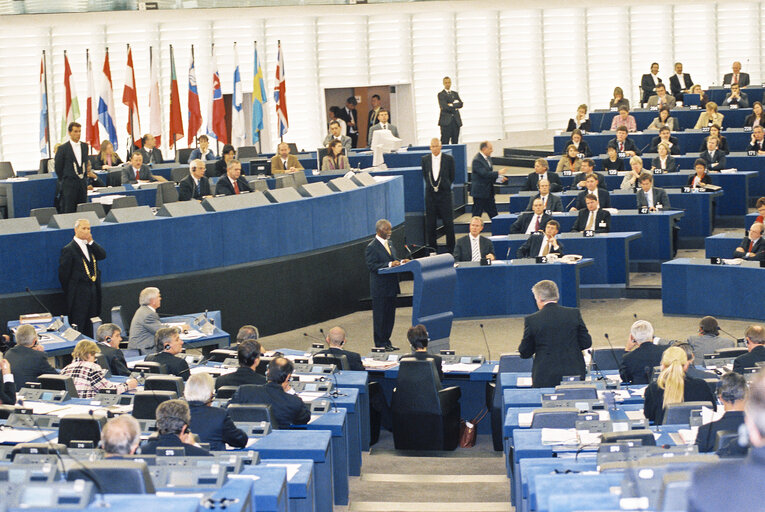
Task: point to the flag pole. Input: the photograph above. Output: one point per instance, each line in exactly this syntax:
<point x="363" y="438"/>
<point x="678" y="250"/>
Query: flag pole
<point x="217" y="141"/>
<point x="196" y="135"/>
<point x="89" y="100"/>
<point x="47" y="113"/>
<point x="260" y="137"/>
<point x="279" y="44"/>
<point x="175" y="150"/>
<point x="130" y="122"/>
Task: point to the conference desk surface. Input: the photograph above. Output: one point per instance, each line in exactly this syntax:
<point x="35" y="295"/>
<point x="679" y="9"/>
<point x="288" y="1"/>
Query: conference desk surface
<point x="296" y="493"/>
<point x="600" y="119"/>
<point x="609" y="252"/>
<point x="656" y="227"/>
<point x="697" y="288"/>
<point x="722" y="245"/>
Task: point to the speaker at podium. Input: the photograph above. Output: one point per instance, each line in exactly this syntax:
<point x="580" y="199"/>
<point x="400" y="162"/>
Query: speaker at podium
<point x="132" y="214"/>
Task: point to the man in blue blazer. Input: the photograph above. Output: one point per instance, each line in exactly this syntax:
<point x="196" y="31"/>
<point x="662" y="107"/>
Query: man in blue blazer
<point x="483" y="177"/>
<point x="212" y="424"/>
<point x="380" y="254"/>
<point x="195" y="185"/>
<point x="654" y="198"/>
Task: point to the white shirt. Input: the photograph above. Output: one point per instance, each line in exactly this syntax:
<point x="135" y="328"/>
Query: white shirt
<point x="385" y="244"/>
<point x="545" y="243"/>
<point x="533" y="224"/>
<point x="681" y="79"/>
<point x="474" y="242"/>
<point x="544" y="198"/>
<point x="435" y="165"/>
<point x="649" y="197"/>
<point x="593" y="192"/>
<point x="542" y="177"/>
<point x="655" y="78"/>
<point x="77" y="151"/>
<point x="83" y="247"/>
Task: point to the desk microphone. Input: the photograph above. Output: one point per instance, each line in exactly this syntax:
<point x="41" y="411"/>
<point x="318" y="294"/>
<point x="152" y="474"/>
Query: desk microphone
<point x="613" y="350"/>
<point x="312" y="337"/>
<point x="729" y="334"/>
<point x="595" y="365"/>
<point x="488" y="350"/>
<point x="569" y="204"/>
<point x="38" y="301"/>
<point x="406" y="246"/>
<point x="423" y="247"/>
<point x="507" y="256"/>
<point x="323" y="336"/>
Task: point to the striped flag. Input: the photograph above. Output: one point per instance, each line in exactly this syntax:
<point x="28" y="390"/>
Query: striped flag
<point x="237" y="113"/>
<point x="130" y="98"/>
<point x="176" y="120"/>
<point x="280" y="96"/>
<point x="258" y="98"/>
<point x="106" y="113"/>
<point x="43" y="111"/>
<point x="195" y="112"/>
<point x="91" y="128"/>
<point x="71" y="103"/>
<point x="216" y="118"/>
<point x="155" y="108"/>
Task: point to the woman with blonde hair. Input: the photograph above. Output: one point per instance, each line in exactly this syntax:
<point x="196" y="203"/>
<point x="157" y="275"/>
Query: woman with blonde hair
<point x="87" y="375"/>
<point x="673" y="386"/>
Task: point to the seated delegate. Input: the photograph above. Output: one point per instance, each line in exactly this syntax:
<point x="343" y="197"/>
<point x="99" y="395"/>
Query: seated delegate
<point x="542" y="243"/>
<point x="418" y="340"/>
<point x="570" y="161"/>
<point x="88" y="376"/>
<point x="580" y="121"/>
<point x="664" y="162"/>
<point x="212" y="424"/>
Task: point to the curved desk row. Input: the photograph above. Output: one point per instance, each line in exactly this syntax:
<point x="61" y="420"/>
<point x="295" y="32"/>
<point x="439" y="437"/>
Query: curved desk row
<point x="600" y="120"/>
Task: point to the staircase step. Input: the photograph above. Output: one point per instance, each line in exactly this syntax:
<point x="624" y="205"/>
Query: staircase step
<point x="435" y="479"/>
<point x="387" y="506"/>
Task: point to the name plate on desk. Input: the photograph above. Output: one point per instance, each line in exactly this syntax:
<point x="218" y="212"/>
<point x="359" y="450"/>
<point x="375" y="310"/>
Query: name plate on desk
<point x="613" y="109"/>
<point x="643" y="210"/>
<point x="751" y="153"/>
<point x="541" y="259"/>
<point x="580" y="155"/>
<point x="658" y="171"/>
<point x="567" y="172"/>
<point x="588" y="233"/>
<point x="747" y="128"/>
<point x="705" y="129"/>
<point x="613" y="172"/>
<point x="694" y="107"/>
<point x="716" y="261"/>
<point x="548" y="212"/>
<point x="622" y="154"/>
<point x="733" y="106"/>
<point x="654" y="107"/>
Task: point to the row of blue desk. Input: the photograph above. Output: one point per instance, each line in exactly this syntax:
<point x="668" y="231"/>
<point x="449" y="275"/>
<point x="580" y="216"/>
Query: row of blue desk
<point x="601" y="119"/>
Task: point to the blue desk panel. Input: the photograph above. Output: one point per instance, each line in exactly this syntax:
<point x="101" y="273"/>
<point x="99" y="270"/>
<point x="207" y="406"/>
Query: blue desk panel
<point x="600" y="119"/>
<point x="656" y="243"/>
<point x="696" y="287"/>
<point x="38" y="191"/>
<point x="722" y="245"/>
<point x="718" y="94"/>
<point x="610" y="252"/>
<point x="360" y="382"/>
<point x="269" y="491"/>
<point x="334" y="422"/>
<point x="300" y="488"/>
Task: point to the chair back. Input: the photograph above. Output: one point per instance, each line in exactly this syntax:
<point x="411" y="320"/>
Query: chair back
<point x="514" y="363"/>
<point x="247" y="152"/>
<point x="182" y="155"/>
<point x="166" y="193"/>
<point x="145" y="403"/>
<point x="417" y="386"/>
<point x="125" y="202"/>
<point x="607" y="358"/>
<point x="726" y="444"/>
<point x="80" y="427"/>
<point x="557" y="417"/>
<point x="114" y="476"/>
<point x="43" y="215"/>
<point x="6" y="170"/>
<point x="92" y="207"/>
<point x="340" y="361"/>
<point x="226" y="392"/>
<point x="680" y="414"/>
<point x="178" y="174"/>
<point x="252" y="413"/>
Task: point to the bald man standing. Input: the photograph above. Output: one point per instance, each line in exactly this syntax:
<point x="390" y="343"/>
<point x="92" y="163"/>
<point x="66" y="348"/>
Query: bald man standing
<point x="438" y="172"/>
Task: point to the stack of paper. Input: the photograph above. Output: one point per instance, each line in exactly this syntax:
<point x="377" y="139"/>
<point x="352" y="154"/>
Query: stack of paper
<point x="559" y="436"/>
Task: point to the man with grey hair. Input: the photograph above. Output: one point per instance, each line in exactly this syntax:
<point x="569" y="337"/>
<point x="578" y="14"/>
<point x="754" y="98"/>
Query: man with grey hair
<point x="195" y="185"/>
<point x="641" y="354"/>
<point x="736" y="484"/>
<point x="752" y="246"/>
<point x="146" y="322"/>
<point x="233" y="182"/>
<point x="336" y="341"/>
<point x="169" y="344"/>
<point x="27" y="358"/>
<point x="173" y="420"/>
<point x="380" y="254"/>
<point x="80" y="277"/>
<point x="212" y="424"/>
<point x="120" y="436"/>
<point x="731" y="391"/>
<point x="109" y="337"/>
<point x="755" y="344"/>
<point x="555" y="336"/>
<point x="247" y="332"/>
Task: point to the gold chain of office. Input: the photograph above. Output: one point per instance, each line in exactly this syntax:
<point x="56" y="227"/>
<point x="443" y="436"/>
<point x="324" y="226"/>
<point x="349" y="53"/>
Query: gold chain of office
<point x="87" y="269"/>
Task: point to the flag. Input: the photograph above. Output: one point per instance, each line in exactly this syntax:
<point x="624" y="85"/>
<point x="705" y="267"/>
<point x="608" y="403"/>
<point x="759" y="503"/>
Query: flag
<point x="258" y="98"/>
<point x="237" y="113"/>
<point x="130" y="98"/>
<point x="195" y="112"/>
<point x="216" y="117"/>
<point x="106" y="102"/>
<point x="280" y="96"/>
<point x="71" y="104"/>
<point x="176" y="120"/>
<point x="155" y="108"/>
<point x="43" y="111"/>
<point x="91" y="129"/>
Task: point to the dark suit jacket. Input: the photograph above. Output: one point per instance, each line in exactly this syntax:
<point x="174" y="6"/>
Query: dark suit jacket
<point x="463" y="251"/>
<point x="220" y="168"/>
<point x="674" y="150"/>
<point x="224" y="186"/>
<point x="530" y="248"/>
<point x="715" y="163"/>
<point x="742" y="362"/>
<point x="288" y="409"/>
<point x="756" y="146"/>
<point x="629" y="145"/>
<point x="242" y="375"/>
<point x="187" y="189"/>
<point x="423" y="356"/>
<point x="98" y="164"/>
<point x="533" y="178"/>
<point x="674" y="85"/>
<point x="604" y="199"/>
<point x="555" y="336"/>
<point x="175" y="365"/>
<point x="449" y="114"/>
<point x="743" y="79"/>
<point x="522" y="223"/>
<point x="618" y="165"/>
<point x="115" y="359"/>
<point x="128" y="174"/>
<point x="351" y="114"/>
<point x="742" y="101"/>
<point x="637" y="365"/>
<point x="381" y="285"/>
<point x="554" y="203"/>
<point x="446" y="176"/>
<point x="601" y="179"/>
<point x="749" y="121"/>
<point x="659" y="197"/>
<point x="354" y="359"/>
<point x="648" y="86"/>
<point x="729" y="484"/>
<point x="695" y="390"/>
<point x="65" y="161"/>
<point x="71" y="274"/>
<point x="706" y="179"/>
<point x="584" y="125"/>
<point x="707" y="434"/>
<point x="171" y="440"/>
<point x="27" y="364"/>
<point x="214" y="425"/>
<point x="8" y="393"/>
<point x="602" y="221"/>
<point x="722" y="145"/>
<point x="671" y="165"/>
<point x="758" y="248"/>
<point x="482" y="178"/>
<point x="156" y="154"/>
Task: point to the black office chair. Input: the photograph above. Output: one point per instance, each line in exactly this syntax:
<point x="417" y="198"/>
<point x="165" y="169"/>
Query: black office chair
<point x="145" y="403"/>
<point x="150" y="367"/>
<point x="80" y="427"/>
<point x="164" y="383"/>
<point x="125" y="202"/>
<point x="178" y="174"/>
<point x="115" y="178"/>
<point x="425" y="417"/>
<point x="680" y="414"/>
<point x="247" y="152"/>
<point x="43" y="215"/>
<point x="92" y="207"/>
<point x="508" y="363"/>
<point x="166" y="193"/>
<point x="731" y="351"/>
<point x="555" y="417"/>
<point x="726" y="445"/>
<point x="341" y="361"/>
<point x="252" y="413"/>
<point x="114" y="476"/>
<point x="226" y="392"/>
<point x="607" y="359"/>
<point x="6" y="170"/>
<point x="58" y="383"/>
<point x="182" y="155"/>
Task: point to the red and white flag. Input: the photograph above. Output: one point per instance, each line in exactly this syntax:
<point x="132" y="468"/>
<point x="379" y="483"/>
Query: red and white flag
<point x="91" y="130"/>
<point x="176" y="120"/>
<point x="71" y="103"/>
<point x="130" y="99"/>
<point x="155" y="109"/>
<point x="280" y="95"/>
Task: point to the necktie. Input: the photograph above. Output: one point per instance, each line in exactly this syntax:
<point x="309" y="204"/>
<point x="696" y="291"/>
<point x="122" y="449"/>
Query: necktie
<point x="387" y="248"/>
<point x="236" y="187"/>
<point x="546" y="250"/>
<point x="621" y="147"/>
<point x="735" y="78"/>
<point x="544" y="200"/>
<point x="536" y="228"/>
<point x="284" y="164"/>
<point x="199" y="188"/>
<point x="590" y="222"/>
<point x="751" y="244"/>
<point x="137" y="174"/>
<point x="476" y="250"/>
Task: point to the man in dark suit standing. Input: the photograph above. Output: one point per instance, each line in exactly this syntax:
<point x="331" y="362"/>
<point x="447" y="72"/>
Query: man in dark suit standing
<point x="737" y="77"/>
<point x="169" y="343"/>
<point x="351" y="118"/>
<point x="735" y="484"/>
<point x="542" y="173"/>
<point x="753" y="246"/>
<point x="438" y="172"/>
<point x="593" y="217"/>
<point x="27" y="358"/>
<point x="533" y="221"/>
<point x="336" y="342"/>
<point x="374" y="102"/>
<point x="80" y="277"/>
<point x="755" y="344"/>
<point x="380" y="254"/>
<point x="555" y="336"/>
<point x="474" y="247"/>
<point x="542" y="244"/>
<point x="649" y="81"/>
<point x="654" y="198"/>
<point x="151" y="154"/>
<point x="450" y="120"/>
<point x="248" y="353"/>
<point x="109" y="337"/>
<point x="641" y="356"/>
<point x="288" y="409"/>
<point x="71" y="170"/>
<point x="483" y="177"/>
<point x="680" y="82"/>
<point x="233" y="182"/>
<point x="195" y="185"/>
